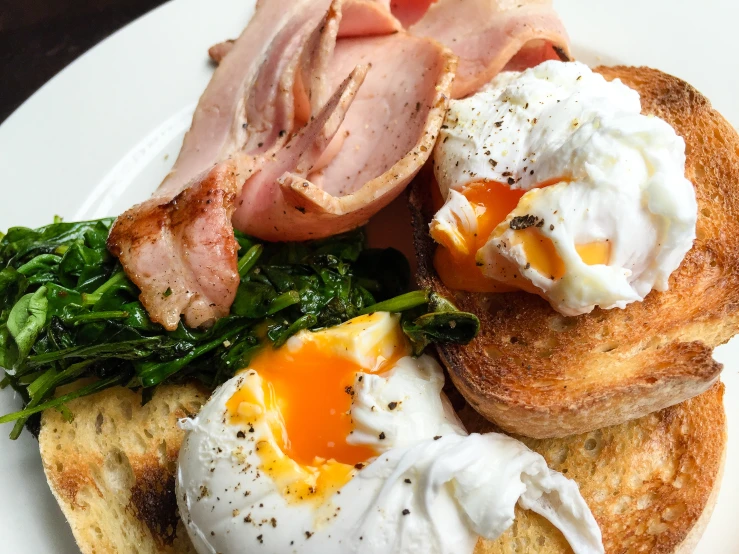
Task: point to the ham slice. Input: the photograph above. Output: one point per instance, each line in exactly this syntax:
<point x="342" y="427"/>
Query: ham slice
<point x="387" y="136"/>
<point x="409" y="12"/>
<point x="218" y="51"/>
<point x="487" y="35"/>
<point x="277" y="148"/>
<point x="362" y="18"/>
<point x="182" y="253"/>
<point x="359" y="18"/>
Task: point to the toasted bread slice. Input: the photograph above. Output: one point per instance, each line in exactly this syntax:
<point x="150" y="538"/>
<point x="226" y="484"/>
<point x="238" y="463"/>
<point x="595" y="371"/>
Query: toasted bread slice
<point x="113" y="469"/>
<point x="651" y="483"/>
<point x="535" y="372"/>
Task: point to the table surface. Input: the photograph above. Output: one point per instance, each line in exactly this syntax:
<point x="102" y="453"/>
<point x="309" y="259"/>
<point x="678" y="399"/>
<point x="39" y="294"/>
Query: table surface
<point x="38" y="38"/>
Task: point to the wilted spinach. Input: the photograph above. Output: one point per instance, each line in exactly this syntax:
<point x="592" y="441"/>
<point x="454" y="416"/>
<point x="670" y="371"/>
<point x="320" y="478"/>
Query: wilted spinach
<point x="68" y="311"/>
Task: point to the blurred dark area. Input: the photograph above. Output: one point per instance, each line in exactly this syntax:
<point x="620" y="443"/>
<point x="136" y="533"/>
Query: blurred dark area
<point x="38" y="38"/>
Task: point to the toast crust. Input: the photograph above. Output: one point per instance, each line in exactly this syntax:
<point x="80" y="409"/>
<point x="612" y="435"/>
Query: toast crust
<point x="112" y="469"/>
<point x="533" y="371"/>
<point x="651" y="483"/>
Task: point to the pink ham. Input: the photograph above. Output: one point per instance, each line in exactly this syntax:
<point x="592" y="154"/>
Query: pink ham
<point x="362" y="18"/>
<point x="388" y="134"/>
<point x="182" y="253"/>
<point x="218" y="51"/>
<point x="489" y="34"/>
<point x="359" y="18"/>
<point x="300" y="164"/>
<point x="409" y="12"/>
<point x="179" y="247"/>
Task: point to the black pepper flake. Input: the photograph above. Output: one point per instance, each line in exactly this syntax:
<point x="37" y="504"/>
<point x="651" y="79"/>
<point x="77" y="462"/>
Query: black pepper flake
<point x="527" y="266"/>
<point x="168" y="292"/>
<point x="273" y="521"/>
<point x="359" y="465"/>
<point x="244" y="125"/>
<point x="251" y="429"/>
<point x="437" y="437"/>
<point x="406" y="512"/>
<point x="392" y="405"/>
<point x="514" y="340"/>
<point x="240" y="435"/>
<point x="408" y="481"/>
<point x="511" y="181"/>
<point x="493" y="163"/>
<point x="349" y="390"/>
<point x="260" y="144"/>
<point x="283" y="133"/>
<point x="551" y="227"/>
<point x="259" y="538"/>
<point x="498" y="123"/>
<point x="382" y="436"/>
<point x="418" y="106"/>
<point x="525" y="221"/>
<point x="308" y="534"/>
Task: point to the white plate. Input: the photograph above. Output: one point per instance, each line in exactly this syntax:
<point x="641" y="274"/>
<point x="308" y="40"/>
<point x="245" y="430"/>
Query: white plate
<point x="102" y="134"/>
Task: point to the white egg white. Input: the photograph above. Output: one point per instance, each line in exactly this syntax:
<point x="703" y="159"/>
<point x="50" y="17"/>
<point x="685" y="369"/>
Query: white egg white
<point x="619" y="177"/>
<point x="431" y="488"/>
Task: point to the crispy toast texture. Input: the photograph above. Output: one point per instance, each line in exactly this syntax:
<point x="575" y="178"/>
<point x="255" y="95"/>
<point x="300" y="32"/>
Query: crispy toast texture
<point x="651" y="483"/>
<point x="113" y="469"/>
<point x="535" y="372"/>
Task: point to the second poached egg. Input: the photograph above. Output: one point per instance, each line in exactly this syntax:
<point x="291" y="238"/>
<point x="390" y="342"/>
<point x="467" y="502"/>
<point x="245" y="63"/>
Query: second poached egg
<point x="555" y="183"/>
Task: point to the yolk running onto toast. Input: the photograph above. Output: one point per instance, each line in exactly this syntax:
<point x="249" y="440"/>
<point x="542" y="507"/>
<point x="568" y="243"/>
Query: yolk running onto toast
<point x="492" y="203"/>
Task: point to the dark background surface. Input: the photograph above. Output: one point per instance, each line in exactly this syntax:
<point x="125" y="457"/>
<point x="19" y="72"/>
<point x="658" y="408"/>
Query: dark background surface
<point x="38" y="38"/>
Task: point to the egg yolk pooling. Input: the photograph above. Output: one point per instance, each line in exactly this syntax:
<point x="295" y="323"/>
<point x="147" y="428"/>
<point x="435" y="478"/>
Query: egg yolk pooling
<point x="493" y="202"/>
<point x="307" y="392"/>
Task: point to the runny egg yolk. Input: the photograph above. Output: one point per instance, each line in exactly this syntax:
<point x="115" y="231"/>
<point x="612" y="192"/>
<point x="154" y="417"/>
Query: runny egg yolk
<point x="313" y="388"/>
<point x="307" y="399"/>
<point x="492" y="202"/>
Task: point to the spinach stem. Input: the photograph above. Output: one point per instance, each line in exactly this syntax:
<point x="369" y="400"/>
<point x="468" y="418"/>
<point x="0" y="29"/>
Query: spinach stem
<point x="283" y="301"/>
<point x="305" y="322"/>
<point x="93" y="297"/>
<point x="94" y="316"/>
<point x="42" y="259"/>
<point x="83" y="391"/>
<point x="400" y="303"/>
<point x="154" y="373"/>
<point x="249" y="259"/>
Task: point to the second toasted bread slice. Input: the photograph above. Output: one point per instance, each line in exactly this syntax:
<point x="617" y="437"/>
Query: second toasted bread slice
<point x="535" y="372"/>
<point x="651" y="483"/>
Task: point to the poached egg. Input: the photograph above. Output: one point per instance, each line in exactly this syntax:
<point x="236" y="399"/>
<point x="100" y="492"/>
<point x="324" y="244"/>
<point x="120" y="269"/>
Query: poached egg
<point x="554" y="182"/>
<point x="340" y="442"/>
